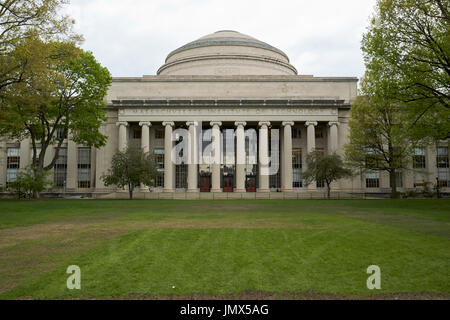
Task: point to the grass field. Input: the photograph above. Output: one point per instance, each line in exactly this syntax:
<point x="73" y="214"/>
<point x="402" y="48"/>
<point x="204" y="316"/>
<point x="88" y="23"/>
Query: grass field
<point x="224" y="249"/>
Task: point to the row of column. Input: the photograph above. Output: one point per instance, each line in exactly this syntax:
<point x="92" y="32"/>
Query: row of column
<point x="263" y="150"/>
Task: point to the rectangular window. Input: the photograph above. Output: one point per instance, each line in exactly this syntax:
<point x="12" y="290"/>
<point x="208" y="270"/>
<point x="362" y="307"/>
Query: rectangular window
<point x="296" y="133"/>
<point x="137" y="133"/>
<point x="442" y="157"/>
<point x="297" y="180"/>
<point x="419" y="162"/>
<point x="60" y="169"/>
<point x="372" y="179"/>
<point x="60" y="134"/>
<point x="442" y="164"/>
<point x="181" y="176"/>
<point x="159" y="154"/>
<point x="84" y="167"/>
<point x="12" y="164"/>
<point x="419" y="158"/>
<point x="159" y="133"/>
<point x="419" y="179"/>
<point x="319" y="132"/>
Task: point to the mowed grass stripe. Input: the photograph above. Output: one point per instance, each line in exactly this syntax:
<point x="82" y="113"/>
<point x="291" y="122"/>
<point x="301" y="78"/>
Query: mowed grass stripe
<point x="220" y="261"/>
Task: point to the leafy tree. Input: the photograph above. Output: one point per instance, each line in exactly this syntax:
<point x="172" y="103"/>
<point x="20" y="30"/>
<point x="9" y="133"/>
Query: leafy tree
<point x="378" y="139"/>
<point x="131" y="168"/>
<point x="327" y="168"/>
<point x="30" y="182"/>
<point x="22" y="19"/>
<point x="410" y="39"/>
<point x="65" y="92"/>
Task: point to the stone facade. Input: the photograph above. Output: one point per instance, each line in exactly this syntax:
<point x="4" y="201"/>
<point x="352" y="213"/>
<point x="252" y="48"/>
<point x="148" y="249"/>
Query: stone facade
<point x="224" y="81"/>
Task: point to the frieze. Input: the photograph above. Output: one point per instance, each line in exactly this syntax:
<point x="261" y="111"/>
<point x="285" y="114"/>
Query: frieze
<point x="226" y="111"/>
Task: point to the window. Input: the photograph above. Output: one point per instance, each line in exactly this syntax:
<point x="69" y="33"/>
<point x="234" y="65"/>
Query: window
<point x="296" y="133"/>
<point x="60" y="168"/>
<point x="297" y="168"/>
<point x="419" y="158"/>
<point x="319" y="133"/>
<point x="443" y="167"/>
<point x="181" y="176"/>
<point x="419" y="163"/>
<point x="442" y="157"/>
<point x="60" y="134"/>
<point x="371" y="158"/>
<point x="84" y="167"/>
<point x="159" y="134"/>
<point x="137" y="133"/>
<point x="372" y="179"/>
<point x="12" y="164"/>
<point x="159" y="158"/>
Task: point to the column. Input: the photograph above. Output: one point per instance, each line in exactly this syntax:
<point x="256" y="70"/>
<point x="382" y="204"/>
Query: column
<point x="240" y="156"/>
<point x="310" y="145"/>
<point x="311" y="136"/>
<point x="287" y="150"/>
<point x="263" y="160"/>
<point x="145" y="135"/>
<point x="168" y="164"/>
<point x="333" y="137"/>
<point x="215" y="156"/>
<point x="123" y="141"/>
<point x="145" y="144"/>
<point x="25" y="156"/>
<point x="431" y="164"/>
<point x="192" y="157"/>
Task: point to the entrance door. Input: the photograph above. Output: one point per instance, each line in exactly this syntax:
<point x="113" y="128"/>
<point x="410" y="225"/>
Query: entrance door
<point x="228" y="183"/>
<point x="250" y="184"/>
<point x="205" y="183"/>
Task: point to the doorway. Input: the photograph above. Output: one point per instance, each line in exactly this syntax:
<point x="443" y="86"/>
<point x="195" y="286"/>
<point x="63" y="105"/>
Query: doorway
<point x="250" y="183"/>
<point x="228" y="182"/>
<point x="205" y="183"/>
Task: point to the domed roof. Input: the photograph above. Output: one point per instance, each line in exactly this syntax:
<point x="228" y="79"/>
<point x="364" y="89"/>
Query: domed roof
<point x="227" y="52"/>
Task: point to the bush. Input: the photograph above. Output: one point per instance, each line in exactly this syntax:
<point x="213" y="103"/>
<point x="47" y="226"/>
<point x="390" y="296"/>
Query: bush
<point x="29" y="183"/>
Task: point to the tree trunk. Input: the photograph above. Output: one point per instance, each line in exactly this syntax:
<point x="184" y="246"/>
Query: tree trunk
<point x="36" y="194"/>
<point x="393" y="179"/>
<point x="130" y="191"/>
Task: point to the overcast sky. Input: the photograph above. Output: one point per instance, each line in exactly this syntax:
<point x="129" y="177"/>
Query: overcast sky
<point x="133" y="37"/>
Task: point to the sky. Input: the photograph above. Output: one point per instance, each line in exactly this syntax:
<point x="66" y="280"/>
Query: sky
<point x="133" y="37"/>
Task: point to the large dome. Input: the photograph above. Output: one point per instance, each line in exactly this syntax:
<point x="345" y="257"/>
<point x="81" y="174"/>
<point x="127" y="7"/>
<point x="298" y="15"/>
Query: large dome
<point x="227" y="53"/>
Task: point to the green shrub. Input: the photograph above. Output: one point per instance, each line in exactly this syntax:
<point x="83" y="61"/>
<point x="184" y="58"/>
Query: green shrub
<point x="29" y="183"/>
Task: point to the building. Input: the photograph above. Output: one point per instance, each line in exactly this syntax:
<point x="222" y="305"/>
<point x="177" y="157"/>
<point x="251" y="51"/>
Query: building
<point x="225" y="82"/>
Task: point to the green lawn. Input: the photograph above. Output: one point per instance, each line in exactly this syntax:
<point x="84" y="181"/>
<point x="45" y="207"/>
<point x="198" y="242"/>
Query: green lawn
<point x="273" y="248"/>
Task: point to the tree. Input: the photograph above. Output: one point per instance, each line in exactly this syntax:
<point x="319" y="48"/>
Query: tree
<point x="63" y="93"/>
<point x="327" y="168"/>
<point x="30" y="182"/>
<point x="378" y="139"/>
<point x="130" y="168"/>
<point x="22" y="19"/>
<point x="411" y="38"/>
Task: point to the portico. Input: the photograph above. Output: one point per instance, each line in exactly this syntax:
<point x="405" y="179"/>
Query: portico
<point x="262" y="117"/>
